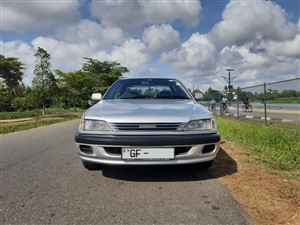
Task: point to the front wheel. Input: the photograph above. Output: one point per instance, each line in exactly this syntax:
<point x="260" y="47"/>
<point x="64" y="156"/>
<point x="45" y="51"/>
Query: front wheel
<point x="250" y="108"/>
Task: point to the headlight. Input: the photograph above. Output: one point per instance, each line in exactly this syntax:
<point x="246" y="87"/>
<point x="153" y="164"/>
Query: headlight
<point x="94" y="125"/>
<point x="206" y="124"/>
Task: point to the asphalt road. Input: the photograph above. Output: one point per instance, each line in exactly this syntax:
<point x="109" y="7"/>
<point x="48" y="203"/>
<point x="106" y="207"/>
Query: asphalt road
<point x="277" y="114"/>
<point x="43" y="182"/>
<point x="293" y="115"/>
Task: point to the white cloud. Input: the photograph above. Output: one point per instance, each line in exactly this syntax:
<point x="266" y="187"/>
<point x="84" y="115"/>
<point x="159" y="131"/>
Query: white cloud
<point x="248" y="21"/>
<point x="131" y="54"/>
<point x="66" y="56"/>
<point x="263" y="51"/>
<point x="194" y="62"/>
<point x="21" y="16"/>
<point x="131" y="15"/>
<point x="195" y="56"/>
<point x="258" y="67"/>
<point x="24" y="53"/>
<point x="69" y="56"/>
<point x="161" y="37"/>
<point x="230" y="58"/>
<point x="287" y="48"/>
<point x="91" y="32"/>
<point x="242" y="58"/>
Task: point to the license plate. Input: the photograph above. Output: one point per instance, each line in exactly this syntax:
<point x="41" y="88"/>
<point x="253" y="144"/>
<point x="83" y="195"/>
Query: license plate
<point x="148" y="153"/>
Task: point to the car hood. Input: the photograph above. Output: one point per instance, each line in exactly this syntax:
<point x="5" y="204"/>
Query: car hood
<point x="147" y="111"/>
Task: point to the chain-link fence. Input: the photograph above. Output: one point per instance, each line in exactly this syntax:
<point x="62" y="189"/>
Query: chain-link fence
<point x="268" y="101"/>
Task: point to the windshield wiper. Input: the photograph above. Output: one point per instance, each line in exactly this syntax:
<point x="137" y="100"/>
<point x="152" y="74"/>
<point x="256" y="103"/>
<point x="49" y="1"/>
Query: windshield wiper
<point x="172" y="97"/>
<point x="125" y="98"/>
<point x="136" y="97"/>
<point x="154" y="97"/>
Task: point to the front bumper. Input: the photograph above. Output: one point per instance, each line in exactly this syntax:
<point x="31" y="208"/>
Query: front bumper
<point x="196" y="146"/>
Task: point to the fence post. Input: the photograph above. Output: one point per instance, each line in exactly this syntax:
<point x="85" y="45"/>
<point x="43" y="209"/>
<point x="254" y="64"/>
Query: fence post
<point x="237" y="106"/>
<point x="265" y="103"/>
<point x="221" y="107"/>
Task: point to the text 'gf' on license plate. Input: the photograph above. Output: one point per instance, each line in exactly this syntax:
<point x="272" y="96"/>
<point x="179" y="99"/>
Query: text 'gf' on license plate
<point x="147" y="153"/>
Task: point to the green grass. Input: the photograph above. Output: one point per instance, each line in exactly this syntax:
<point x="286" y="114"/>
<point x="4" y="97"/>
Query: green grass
<point x="11" y="127"/>
<point x="19" y="114"/>
<point x="276" y="147"/>
<point x="32" y="113"/>
<point x="293" y="100"/>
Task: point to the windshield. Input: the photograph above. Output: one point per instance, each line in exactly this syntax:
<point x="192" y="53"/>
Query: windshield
<point x="147" y="89"/>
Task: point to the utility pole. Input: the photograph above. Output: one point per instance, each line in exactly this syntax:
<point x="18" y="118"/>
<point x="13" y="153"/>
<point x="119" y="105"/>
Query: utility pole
<point x="229" y="81"/>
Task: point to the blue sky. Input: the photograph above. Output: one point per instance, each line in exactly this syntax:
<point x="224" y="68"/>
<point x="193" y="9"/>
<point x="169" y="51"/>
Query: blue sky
<point x="191" y="40"/>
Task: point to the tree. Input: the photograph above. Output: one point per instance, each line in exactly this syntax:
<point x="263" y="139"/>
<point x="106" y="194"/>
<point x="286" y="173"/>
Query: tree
<point x="244" y="94"/>
<point x="5" y="100"/>
<point x="11" y="78"/>
<point x="77" y="87"/>
<point x="105" y="73"/>
<point x="212" y="94"/>
<point x="194" y="91"/>
<point x="11" y="71"/>
<point x="289" y="93"/>
<point x="44" y="83"/>
<point x="95" y="76"/>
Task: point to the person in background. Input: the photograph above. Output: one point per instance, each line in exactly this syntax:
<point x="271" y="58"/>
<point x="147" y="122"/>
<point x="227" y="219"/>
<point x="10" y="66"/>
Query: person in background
<point x="212" y="104"/>
<point x="246" y="102"/>
<point x="224" y="102"/>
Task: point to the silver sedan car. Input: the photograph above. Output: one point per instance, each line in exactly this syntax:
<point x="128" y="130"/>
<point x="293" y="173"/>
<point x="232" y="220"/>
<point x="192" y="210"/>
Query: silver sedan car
<point x="147" y="121"/>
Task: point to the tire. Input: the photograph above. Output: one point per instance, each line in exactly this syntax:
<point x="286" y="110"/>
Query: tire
<point x="250" y="108"/>
<point x="91" y="166"/>
<point x="244" y="108"/>
<point x="225" y="110"/>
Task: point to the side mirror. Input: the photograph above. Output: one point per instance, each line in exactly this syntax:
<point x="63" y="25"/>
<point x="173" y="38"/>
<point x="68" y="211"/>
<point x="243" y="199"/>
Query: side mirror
<point x="198" y="95"/>
<point x="96" y="96"/>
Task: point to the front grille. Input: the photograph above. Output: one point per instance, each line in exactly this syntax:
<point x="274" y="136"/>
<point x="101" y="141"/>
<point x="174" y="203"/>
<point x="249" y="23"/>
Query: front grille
<point x="145" y="126"/>
<point x="117" y="150"/>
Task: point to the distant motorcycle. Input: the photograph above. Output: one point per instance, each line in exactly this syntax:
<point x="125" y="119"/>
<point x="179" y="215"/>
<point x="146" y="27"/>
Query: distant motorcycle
<point x="225" y="108"/>
<point x="247" y="108"/>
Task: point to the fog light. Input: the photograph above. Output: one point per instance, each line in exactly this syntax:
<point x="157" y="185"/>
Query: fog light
<point x="86" y="149"/>
<point x="208" y="149"/>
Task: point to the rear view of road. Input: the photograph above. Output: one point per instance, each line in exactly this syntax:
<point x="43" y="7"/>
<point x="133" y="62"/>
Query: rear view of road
<point x="43" y="182"/>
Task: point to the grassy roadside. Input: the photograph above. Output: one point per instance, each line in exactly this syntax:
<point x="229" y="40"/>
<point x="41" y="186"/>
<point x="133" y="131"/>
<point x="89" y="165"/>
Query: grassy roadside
<point x="276" y="147"/>
<point x="269" y="198"/>
<point x="34" y="113"/>
<point x="286" y="100"/>
<point x="34" y="122"/>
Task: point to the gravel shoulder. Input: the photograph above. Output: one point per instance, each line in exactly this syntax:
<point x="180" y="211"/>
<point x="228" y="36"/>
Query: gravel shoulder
<point x="268" y="198"/>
